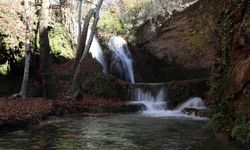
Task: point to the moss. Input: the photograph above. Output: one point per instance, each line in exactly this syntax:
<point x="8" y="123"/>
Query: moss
<point x="60" y="43"/>
<point x="4" y="69"/>
<point x="101" y="85"/>
<point x="105" y="86"/>
<point x="198" y="41"/>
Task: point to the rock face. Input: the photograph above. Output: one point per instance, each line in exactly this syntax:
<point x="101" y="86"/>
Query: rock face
<point x="173" y="49"/>
<point x="195" y="112"/>
<point x="180" y="91"/>
<point x="232" y="61"/>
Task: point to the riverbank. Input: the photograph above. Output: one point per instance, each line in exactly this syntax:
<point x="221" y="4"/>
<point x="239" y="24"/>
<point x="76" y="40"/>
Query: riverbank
<point x="32" y="111"/>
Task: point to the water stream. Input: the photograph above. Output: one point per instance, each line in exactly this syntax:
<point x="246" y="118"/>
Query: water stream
<point x="122" y="62"/>
<point x="154" y="97"/>
<point x="118" y="132"/>
<point x="97" y="53"/>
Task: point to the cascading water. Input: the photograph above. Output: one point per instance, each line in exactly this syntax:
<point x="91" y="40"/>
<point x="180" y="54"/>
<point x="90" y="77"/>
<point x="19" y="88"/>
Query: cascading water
<point x="122" y="63"/>
<point x="153" y="97"/>
<point x="151" y="102"/>
<point x="195" y="103"/>
<point x="97" y="53"/>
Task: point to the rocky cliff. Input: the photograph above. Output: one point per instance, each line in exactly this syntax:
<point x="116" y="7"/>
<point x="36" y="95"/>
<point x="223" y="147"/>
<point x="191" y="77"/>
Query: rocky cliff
<point x="178" y="48"/>
<point x="210" y="39"/>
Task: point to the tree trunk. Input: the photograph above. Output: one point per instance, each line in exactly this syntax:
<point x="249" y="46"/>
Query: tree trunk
<point x="69" y="16"/>
<point x="23" y="91"/>
<point x="79" y="21"/>
<point x="83" y="38"/>
<point x="77" y="82"/>
<point x="49" y="83"/>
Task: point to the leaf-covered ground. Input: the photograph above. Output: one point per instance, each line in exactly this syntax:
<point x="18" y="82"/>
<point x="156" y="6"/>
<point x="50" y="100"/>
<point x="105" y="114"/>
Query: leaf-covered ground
<point x="35" y="110"/>
<point x="28" y="109"/>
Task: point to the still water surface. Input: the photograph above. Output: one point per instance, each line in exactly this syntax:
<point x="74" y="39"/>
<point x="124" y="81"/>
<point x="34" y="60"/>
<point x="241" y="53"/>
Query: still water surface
<point x="116" y="132"/>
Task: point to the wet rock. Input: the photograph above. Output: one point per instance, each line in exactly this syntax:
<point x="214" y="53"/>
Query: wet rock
<point x="195" y="112"/>
<point x="180" y="91"/>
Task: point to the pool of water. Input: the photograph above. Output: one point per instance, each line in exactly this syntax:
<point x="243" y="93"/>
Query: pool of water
<point x="116" y="132"/>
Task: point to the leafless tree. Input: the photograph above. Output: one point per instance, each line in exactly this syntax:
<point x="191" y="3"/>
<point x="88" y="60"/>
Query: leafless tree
<point x="83" y="50"/>
<point x="23" y="91"/>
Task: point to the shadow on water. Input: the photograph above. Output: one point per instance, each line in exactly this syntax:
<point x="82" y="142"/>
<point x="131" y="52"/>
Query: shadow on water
<point x="134" y="132"/>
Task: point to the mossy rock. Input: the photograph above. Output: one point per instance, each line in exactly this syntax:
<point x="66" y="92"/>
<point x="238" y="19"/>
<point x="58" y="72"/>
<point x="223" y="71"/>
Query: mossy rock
<point x="103" y="86"/>
<point x="60" y="43"/>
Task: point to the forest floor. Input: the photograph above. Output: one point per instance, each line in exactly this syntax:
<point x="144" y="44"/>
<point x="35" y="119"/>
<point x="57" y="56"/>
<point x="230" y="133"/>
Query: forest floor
<point x="18" y="113"/>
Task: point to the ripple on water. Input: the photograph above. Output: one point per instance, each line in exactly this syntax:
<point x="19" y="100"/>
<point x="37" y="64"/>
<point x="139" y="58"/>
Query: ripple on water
<point x="118" y="132"/>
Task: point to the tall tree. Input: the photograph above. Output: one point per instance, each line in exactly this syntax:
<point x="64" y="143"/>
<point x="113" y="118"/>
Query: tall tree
<point x="77" y="81"/>
<point x="83" y="37"/>
<point x="49" y="82"/>
<point x="23" y="91"/>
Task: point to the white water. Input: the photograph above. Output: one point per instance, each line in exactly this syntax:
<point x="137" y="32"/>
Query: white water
<point x="151" y="102"/>
<point x="122" y="58"/>
<point x="97" y="53"/>
<point x="195" y="102"/>
<point x="156" y="104"/>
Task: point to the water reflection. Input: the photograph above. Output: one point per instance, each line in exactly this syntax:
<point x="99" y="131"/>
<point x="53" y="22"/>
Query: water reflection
<point x="123" y="132"/>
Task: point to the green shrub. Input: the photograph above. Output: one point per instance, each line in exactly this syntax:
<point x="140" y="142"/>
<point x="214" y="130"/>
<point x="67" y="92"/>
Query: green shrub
<point x="111" y="24"/>
<point x="219" y="121"/>
<point x="241" y="132"/>
<point x="222" y="115"/>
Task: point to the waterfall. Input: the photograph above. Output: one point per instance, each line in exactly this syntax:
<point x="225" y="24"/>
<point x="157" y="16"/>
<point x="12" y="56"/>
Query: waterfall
<point x="122" y="63"/>
<point x="152" y="102"/>
<point x="97" y="52"/>
<point x="153" y="96"/>
<point x="195" y="102"/>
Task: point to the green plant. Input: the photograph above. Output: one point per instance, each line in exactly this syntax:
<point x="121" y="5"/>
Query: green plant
<point x="241" y="132"/>
<point x="219" y="121"/>
<point x="222" y="114"/>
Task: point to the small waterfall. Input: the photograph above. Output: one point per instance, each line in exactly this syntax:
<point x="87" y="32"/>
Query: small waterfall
<point x="97" y="53"/>
<point x="195" y="103"/>
<point x="153" y="96"/>
<point x="122" y="63"/>
<point x="152" y="102"/>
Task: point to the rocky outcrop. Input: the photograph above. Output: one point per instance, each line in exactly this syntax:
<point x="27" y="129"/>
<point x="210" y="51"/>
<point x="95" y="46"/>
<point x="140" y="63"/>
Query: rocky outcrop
<point x="195" y="112"/>
<point x="178" y="48"/>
